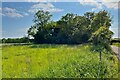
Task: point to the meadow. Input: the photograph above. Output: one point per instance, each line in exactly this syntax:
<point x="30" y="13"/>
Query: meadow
<point x="0" y="61"/>
<point x="56" y="61"/>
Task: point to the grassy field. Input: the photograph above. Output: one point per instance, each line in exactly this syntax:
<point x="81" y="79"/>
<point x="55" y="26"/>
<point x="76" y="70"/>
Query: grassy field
<point x="0" y="61"/>
<point x="46" y="60"/>
<point x="116" y="44"/>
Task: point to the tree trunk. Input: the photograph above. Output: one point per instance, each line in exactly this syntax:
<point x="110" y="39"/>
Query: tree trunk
<point x="100" y="56"/>
<point x="100" y="64"/>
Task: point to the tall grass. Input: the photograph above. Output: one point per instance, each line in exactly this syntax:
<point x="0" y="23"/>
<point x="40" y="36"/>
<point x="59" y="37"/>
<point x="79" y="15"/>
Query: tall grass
<point x="0" y="61"/>
<point x="53" y="61"/>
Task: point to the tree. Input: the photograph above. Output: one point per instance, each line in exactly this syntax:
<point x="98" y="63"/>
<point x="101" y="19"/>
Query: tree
<point x="89" y="19"/>
<point x="89" y="16"/>
<point x="3" y="40"/>
<point x="51" y="33"/>
<point x="70" y="29"/>
<point x="101" y="39"/>
<point x="66" y="25"/>
<point x="38" y="31"/>
<point x="73" y="28"/>
<point x="96" y="20"/>
<point x="100" y="19"/>
<point x="79" y="30"/>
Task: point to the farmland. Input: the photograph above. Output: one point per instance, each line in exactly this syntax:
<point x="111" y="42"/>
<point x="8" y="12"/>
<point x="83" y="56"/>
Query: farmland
<point x="53" y="61"/>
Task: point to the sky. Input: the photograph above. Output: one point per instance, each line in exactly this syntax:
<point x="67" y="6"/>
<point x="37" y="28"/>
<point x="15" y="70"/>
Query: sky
<point x="17" y="17"/>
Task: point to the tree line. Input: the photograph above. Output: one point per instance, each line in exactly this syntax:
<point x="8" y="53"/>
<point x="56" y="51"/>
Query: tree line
<point x="71" y="28"/>
<point x="15" y="40"/>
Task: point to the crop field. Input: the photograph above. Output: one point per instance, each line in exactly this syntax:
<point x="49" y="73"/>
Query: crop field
<point x="56" y="61"/>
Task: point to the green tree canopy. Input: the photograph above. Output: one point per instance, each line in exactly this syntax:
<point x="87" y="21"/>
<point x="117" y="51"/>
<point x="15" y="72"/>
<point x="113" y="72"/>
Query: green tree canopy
<point x="71" y="28"/>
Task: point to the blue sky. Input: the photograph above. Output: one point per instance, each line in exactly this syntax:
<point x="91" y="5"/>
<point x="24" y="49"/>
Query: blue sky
<point x="17" y="17"/>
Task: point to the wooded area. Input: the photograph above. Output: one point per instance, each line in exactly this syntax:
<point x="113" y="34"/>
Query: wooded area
<point x="71" y="28"/>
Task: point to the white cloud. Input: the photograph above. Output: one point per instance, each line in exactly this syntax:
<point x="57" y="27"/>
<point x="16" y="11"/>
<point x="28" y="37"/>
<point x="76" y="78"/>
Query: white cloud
<point x="111" y="5"/>
<point x="99" y="0"/>
<point x="11" y="12"/>
<point x="2" y="14"/>
<point x="45" y="7"/>
<point x="93" y="3"/>
<point x="9" y="9"/>
<point x="26" y="14"/>
<point x="0" y="9"/>
<point x="35" y="0"/>
<point x="99" y="5"/>
<point x="24" y="0"/>
<point x="55" y="0"/>
<point x="39" y="0"/>
<point x="55" y="10"/>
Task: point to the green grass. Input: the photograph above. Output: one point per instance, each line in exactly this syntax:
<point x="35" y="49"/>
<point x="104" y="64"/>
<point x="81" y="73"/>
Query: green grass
<point x="116" y="44"/>
<point x="0" y="61"/>
<point x="45" y="60"/>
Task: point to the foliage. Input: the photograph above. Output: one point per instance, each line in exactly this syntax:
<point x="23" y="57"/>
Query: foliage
<point x="56" y="61"/>
<point x="38" y="30"/>
<point x="102" y="38"/>
<point x="16" y="40"/>
<point x="102" y="18"/>
<point x="70" y="29"/>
